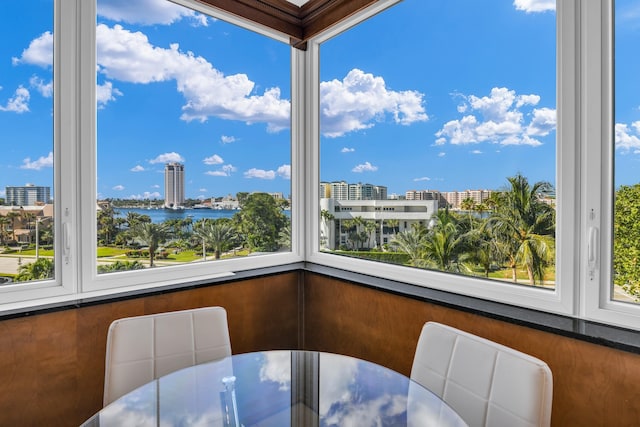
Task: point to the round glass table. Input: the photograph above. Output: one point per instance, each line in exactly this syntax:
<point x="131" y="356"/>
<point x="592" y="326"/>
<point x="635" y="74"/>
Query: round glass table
<point x="280" y="388"/>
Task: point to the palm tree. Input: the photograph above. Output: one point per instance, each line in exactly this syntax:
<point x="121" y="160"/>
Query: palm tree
<point x="41" y="269"/>
<point x="468" y="205"/>
<point x="412" y="243"/>
<point x="326" y="218"/>
<point x="370" y="228"/>
<point x="284" y="237"/>
<point x="392" y="224"/>
<point x="445" y="244"/>
<point x="525" y="226"/>
<point x="13" y="215"/>
<point x="150" y="234"/>
<point x="4" y="221"/>
<point x="218" y="235"/>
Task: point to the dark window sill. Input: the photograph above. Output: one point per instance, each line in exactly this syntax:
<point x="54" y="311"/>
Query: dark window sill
<point x="597" y="333"/>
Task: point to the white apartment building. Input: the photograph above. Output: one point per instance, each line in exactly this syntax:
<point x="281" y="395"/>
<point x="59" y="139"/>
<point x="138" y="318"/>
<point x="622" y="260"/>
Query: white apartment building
<point x="341" y="190"/>
<point x="427" y="195"/>
<point x="29" y="195"/>
<point x="455" y="198"/>
<point x="406" y="212"/>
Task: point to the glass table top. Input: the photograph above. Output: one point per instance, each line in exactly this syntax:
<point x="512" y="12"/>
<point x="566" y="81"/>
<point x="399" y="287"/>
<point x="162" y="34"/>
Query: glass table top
<point x="280" y="388"/>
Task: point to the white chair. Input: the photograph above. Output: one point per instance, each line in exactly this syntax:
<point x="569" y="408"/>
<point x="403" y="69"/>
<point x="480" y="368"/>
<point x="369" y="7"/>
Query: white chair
<point x="486" y="383"/>
<point x="143" y="348"/>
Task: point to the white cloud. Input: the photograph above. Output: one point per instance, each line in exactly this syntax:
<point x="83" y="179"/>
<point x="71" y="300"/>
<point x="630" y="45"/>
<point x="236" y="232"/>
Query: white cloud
<point x="129" y="57"/>
<point x="226" y="170"/>
<point x="277" y="368"/>
<point x="45" y="89"/>
<point x="361" y="99"/>
<point x="424" y="178"/>
<point x="106" y="93"/>
<point x="357" y="102"/>
<point x="213" y="160"/>
<point x="259" y="173"/>
<point x="347" y="150"/>
<point x="41" y="162"/>
<point x="442" y="154"/>
<point x="227" y="139"/>
<point x="365" y="167"/>
<point x="626" y="139"/>
<point x="19" y="103"/>
<point x="137" y="168"/>
<point x="284" y="171"/>
<point x="543" y="122"/>
<point x="500" y="119"/>
<point x="39" y="52"/>
<point x="145" y="195"/>
<point x="476" y="152"/>
<point x="118" y="188"/>
<point x="531" y="6"/>
<point x="147" y="12"/>
<point x="216" y="173"/>
<point x="202" y="190"/>
<point x="172" y="157"/>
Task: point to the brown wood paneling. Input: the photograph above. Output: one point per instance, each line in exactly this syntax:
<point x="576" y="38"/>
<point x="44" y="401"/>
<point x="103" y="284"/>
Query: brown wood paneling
<point x="300" y="23"/>
<point x="593" y="385"/>
<point x="52" y="365"/>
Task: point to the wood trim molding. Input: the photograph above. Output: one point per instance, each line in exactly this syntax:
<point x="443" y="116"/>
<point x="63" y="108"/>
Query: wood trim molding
<point x="299" y="23"/>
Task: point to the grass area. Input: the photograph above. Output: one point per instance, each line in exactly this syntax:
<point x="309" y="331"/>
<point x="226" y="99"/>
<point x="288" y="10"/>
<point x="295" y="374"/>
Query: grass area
<point x="104" y="251"/>
<point x="32" y="252"/>
<point x="521" y="274"/>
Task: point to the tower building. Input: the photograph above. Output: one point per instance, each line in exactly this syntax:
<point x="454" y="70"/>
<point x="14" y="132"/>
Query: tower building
<point x="173" y="185"/>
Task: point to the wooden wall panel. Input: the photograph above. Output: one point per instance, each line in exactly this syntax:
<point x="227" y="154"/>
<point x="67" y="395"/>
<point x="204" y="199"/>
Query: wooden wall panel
<point x="593" y="385"/>
<point x="52" y="365"/>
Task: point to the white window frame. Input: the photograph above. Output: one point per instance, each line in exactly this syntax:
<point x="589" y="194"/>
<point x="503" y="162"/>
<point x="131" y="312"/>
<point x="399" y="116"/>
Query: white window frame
<point x="75" y="157"/>
<point x="561" y="300"/>
<point x="92" y="281"/>
<point x="598" y="179"/>
<point x="64" y="284"/>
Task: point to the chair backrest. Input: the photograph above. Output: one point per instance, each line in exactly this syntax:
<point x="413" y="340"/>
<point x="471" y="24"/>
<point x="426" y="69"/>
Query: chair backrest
<point x="143" y="348"/>
<point x="488" y="384"/>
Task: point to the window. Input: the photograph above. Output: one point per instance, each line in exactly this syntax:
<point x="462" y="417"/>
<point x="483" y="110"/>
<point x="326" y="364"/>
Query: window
<point x="26" y="127"/>
<point x="626" y="237"/>
<point x="194" y="138"/>
<point x="161" y="111"/>
<point x="193" y="143"/>
<point x="470" y="91"/>
<point x="610" y="141"/>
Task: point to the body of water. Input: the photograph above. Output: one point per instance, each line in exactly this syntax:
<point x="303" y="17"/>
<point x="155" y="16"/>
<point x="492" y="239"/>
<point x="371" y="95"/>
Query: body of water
<point x="162" y="215"/>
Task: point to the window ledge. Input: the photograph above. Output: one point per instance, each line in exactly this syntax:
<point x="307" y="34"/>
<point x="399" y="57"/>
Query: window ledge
<point x="39" y="307"/>
<point x="596" y="333"/>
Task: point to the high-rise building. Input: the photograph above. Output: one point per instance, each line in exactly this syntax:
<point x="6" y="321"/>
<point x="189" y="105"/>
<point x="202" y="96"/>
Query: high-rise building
<point x="341" y="190"/>
<point x="29" y="195"/>
<point x="173" y="185"/>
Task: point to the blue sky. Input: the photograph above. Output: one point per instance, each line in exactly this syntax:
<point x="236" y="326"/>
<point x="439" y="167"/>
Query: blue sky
<point x="447" y="95"/>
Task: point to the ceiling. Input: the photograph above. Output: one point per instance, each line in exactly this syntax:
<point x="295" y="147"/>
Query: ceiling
<point x="298" y="19"/>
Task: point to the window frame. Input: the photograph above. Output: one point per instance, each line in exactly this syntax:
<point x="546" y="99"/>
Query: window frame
<point x="561" y="300"/>
<point x="75" y="171"/>
<point x="597" y="47"/>
<point x="91" y="280"/>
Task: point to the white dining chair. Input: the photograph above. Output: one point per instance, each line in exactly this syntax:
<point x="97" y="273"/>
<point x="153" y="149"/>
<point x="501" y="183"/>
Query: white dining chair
<point x="487" y="383"/>
<point x="143" y="348"/>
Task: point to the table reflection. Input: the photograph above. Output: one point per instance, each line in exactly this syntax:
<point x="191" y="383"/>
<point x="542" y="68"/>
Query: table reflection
<point x="280" y="388"/>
